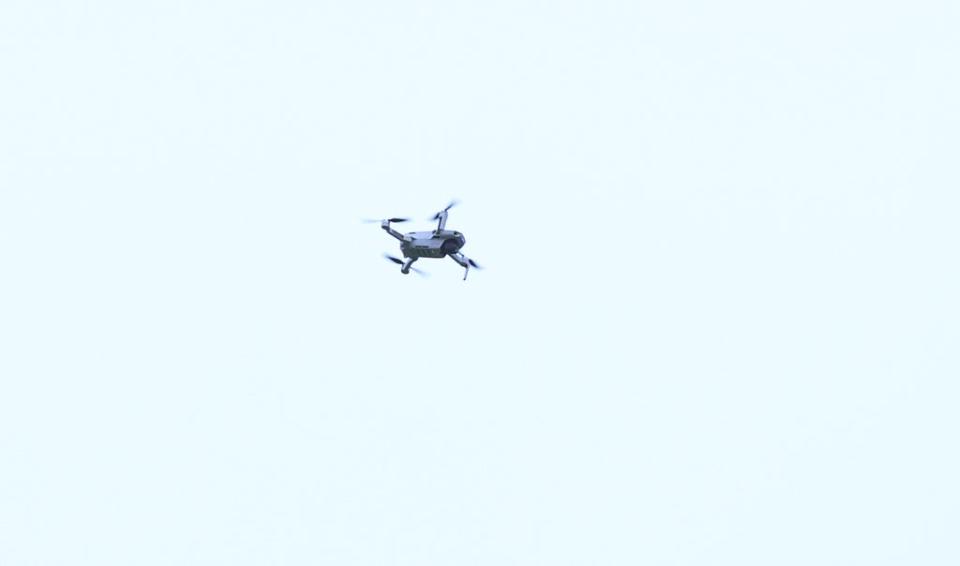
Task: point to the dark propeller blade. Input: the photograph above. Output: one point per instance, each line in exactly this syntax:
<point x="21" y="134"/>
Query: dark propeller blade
<point x="473" y="264"/>
<point x="452" y="204"/>
<point x="375" y="221"/>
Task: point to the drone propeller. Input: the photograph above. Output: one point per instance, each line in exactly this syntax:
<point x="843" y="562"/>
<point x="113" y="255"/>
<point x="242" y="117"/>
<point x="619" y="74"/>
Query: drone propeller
<point x="473" y="264"/>
<point x="375" y="221"/>
<point x="452" y="204"/>
<point x="399" y="261"/>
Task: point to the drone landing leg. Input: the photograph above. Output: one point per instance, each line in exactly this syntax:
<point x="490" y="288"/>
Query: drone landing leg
<point x="406" y="265"/>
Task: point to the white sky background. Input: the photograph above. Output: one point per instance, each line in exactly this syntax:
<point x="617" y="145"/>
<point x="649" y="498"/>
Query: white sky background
<point x="717" y="324"/>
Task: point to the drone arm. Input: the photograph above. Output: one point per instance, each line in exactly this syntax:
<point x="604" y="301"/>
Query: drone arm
<point x="406" y="265"/>
<point x="386" y="226"/>
<point x="464" y="262"/>
<point x="442" y="221"/>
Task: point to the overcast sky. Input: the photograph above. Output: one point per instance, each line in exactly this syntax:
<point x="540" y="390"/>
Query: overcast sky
<point x="717" y="324"/>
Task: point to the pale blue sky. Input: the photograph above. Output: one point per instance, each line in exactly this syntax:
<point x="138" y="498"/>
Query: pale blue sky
<point x="718" y="323"/>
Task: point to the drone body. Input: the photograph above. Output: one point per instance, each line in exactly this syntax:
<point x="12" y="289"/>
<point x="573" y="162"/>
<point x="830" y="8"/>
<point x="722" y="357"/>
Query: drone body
<point x="438" y="243"/>
<point x="431" y="244"/>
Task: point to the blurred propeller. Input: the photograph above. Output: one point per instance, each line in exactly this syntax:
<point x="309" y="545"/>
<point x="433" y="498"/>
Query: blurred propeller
<point x="375" y="221"/>
<point x="452" y="204"/>
<point x="399" y="261"/>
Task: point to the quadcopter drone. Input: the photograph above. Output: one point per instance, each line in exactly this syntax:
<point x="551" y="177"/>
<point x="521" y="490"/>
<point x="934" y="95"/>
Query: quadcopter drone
<point x="436" y="244"/>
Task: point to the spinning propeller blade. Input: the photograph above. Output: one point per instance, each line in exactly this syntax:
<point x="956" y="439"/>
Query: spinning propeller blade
<point x="375" y="221"/>
<point x="452" y="204"/>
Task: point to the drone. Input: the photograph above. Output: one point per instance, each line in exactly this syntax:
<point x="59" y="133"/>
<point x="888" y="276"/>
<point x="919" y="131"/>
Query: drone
<point x="436" y="244"/>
